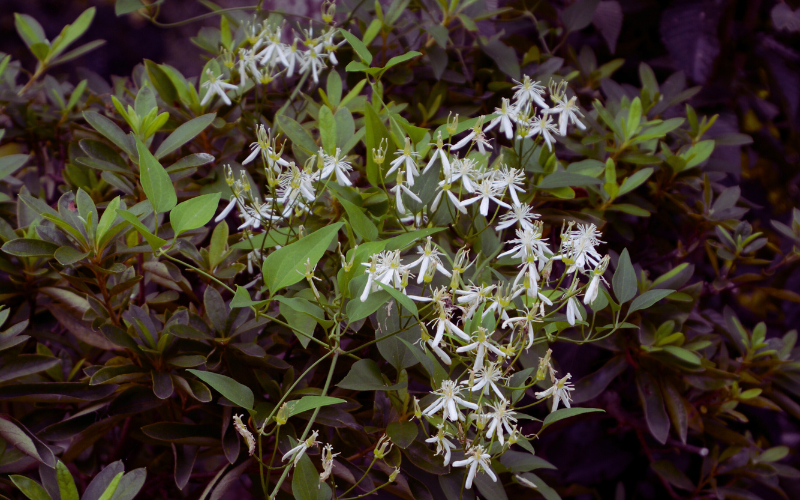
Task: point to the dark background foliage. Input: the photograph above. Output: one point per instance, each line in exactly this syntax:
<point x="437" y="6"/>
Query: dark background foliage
<point x="746" y="57"/>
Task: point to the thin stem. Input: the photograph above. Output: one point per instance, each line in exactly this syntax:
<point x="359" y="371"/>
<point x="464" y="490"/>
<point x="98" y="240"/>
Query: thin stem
<point x="310" y="422"/>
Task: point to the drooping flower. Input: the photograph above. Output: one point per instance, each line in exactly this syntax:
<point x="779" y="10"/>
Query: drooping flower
<point x="560" y="391"/>
<point x="298" y="451"/>
<point x="245" y="433"/>
<point x="443" y="445"/>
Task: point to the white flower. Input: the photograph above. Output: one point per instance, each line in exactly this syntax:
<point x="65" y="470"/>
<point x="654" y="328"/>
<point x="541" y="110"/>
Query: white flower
<point x="443" y="307"/>
<point x="480" y="345"/>
<point x="578" y="246"/>
<point x="476" y="135"/>
<point x="442" y="154"/>
<point x="487" y="377"/>
<point x="429" y="257"/>
<point x="216" y="85"/>
<point x="384" y="267"/>
<point x="447" y="188"/>
<point x="266" y="146"/>
<point x="448" y="399"/>
<point x="594" y="284"/>
<point x="559" y="391"/>
<point x="521" y="214"/>
<point x="337" y="165"/>
<point x="487" y="190"/>
<point x="511" y="179"/>
<point x="464" y="170"/>
<point x="573" y="311"/>
<point x="501" y="300"/>
<point x="293" y="186"/>
<point x="568" y="111"/>
<point x="543" y="125"/>
<point x="313" y="61"/>
<point x="525" y="323"/>
<point x="506" y="117"/>
<point x="327" y="463"/>
<point x="245" y="433"/>
<point x="501" y="418"/>
<point x="527" y="91"/>
<point x="476" y="458"/>
<point x="528" y="245"/>
<point x="247" y="63"/>
<point x="443" y="445"/>
<point x="398" y="191"/>
<point x="274" y="48"/>
<point x="473" y="297"/>
<point x="405" y="157"/>
<point x="298" y="451"/>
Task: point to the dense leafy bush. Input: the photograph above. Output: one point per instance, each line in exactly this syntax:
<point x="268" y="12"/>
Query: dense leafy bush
<point x="401" y="249"/>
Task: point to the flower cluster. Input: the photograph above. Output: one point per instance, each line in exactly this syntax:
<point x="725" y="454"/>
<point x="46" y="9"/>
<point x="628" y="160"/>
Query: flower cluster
<point x="268" y="57"/>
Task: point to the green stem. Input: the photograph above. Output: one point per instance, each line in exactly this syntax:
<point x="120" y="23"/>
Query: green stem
<point x="310" y="422"/>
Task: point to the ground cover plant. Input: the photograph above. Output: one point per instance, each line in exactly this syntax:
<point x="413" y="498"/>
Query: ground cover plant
<point x="396" y="250"/>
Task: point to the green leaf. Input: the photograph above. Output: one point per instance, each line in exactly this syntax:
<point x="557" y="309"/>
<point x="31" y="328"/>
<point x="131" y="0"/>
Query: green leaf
<point x="183" y="134"/>
<point x="579" y="15"/>
<point x="78" y="52"/>
<point x="698" y="153"/>
<point x="682" y="354"/>
<point x="30" y="488"/>
<point x="568" y="179"/>
<point x="107" y="219"/>
<point x="401" y="298"/>
<point x="11" y="163"/>
<point x="108" y="494"/>
<point x="365" y="375"/>
<point x="402" y="433"/>
<point x="123" y="7"/>
<point x="624" y="280"/>
<point x="566" y="413"/>
<point x="110" y="131"/>
<point x="334" y="87"/>
<point x="402" y="241"/>
<point x="773" y="454"/>
<point x="235" y="392"/>
<point x="163" y="85"/>
<point x="504" y="56"/>
<point x="375" y="132"/>
<point x="72" y="32"/>
<point x="305" y="482"/>
<point x="29" y="30"/>
<point x="357" y="310"/>
<point x="19" y="436"/>
<point x="647" y="299"/>
<point x="297" y="134"/>
<point x="327" y="129"/>
<point x="401" y="59"/>
<point x="67" y="255"/>
<point x="361" y="49"/>
<point x="634" y="117"/>
<point x="194" y="213"/>
<point x="360" y="223"/>
<point x="517" y="461"/>
<point x="546" y="491"/>
<point x="310" y="403"/>
<point x="672" y="475"/>
<point x="242" y="299"/>
<point x="286" y="266"/>
<point x="302" y="324"/>
<point x="634" y="181"/>
<point x="29" y="247"/>
<point x="66" y="485"/>
<point x="155" y="181"/>
<point x="653" y="403"/>
<point x="154" y="241"/>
